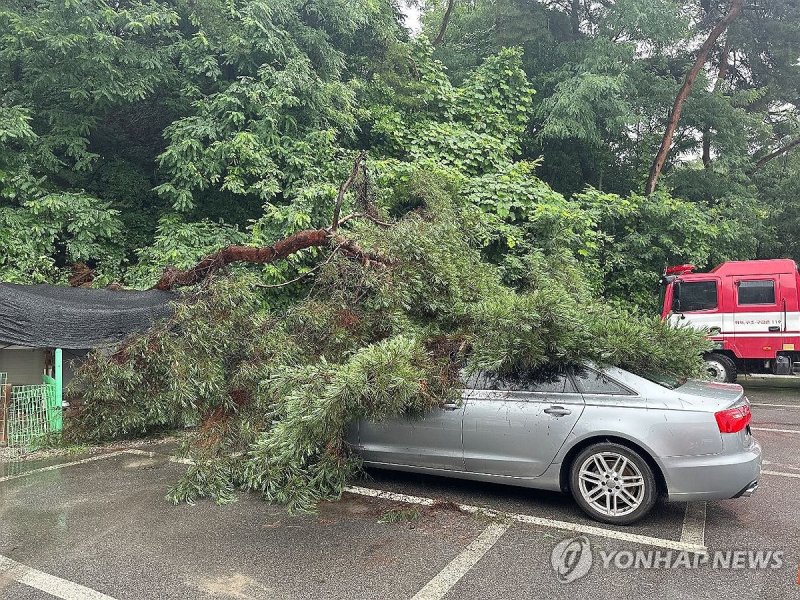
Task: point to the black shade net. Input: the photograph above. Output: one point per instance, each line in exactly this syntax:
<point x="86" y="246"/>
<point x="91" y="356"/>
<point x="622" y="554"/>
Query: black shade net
<point x="47" y="316"/>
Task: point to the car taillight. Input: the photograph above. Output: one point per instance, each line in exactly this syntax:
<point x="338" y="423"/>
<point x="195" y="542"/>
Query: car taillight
<point x="733" y="419"/>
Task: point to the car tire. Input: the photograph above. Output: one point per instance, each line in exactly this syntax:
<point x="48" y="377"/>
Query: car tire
<point x="720" y="367"/>
<point x="601" y="472"/>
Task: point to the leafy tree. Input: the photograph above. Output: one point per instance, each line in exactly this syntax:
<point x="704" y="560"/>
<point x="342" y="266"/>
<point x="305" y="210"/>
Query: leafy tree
<point x="59" y="229"/>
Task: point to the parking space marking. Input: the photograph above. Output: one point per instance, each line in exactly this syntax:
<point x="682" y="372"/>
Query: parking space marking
<point x="694" y="524"/>
<point x="794" y="406"/>
<point x="776" y="430"/>
<point x="795" y="475"/>
<point x="136" y="451"/>
<point x="49" y="584"/>
<point x="62" y="465"/>
<point x="613" y="534"/>
<point x="438" y="587"/>
<point x="174" y="459"/>
<point x="782" y="465"/>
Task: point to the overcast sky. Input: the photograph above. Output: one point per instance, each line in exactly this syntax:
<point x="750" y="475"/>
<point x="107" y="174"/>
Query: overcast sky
<point x="412" y="18"/>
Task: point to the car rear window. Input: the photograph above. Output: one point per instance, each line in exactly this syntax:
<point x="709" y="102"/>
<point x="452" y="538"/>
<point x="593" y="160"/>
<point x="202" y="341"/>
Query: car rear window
<point x="667" y="381"/>
<point x="592" y="382"/>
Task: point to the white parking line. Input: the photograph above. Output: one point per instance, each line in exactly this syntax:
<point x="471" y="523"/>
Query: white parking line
<point x="782" y="465"/>
<point x="175" y="459"/>
<point x="795" y="475"/>
<point x="438" y="587"/>
<point x="541" y="521"/>
<point x="794" y="406"/>
<point x="62" y="465"/>
<point x="776" y="430"/>
<point x="44" y="582"/>
<point x="136" y="451"/>
<point x="694" y="524"/>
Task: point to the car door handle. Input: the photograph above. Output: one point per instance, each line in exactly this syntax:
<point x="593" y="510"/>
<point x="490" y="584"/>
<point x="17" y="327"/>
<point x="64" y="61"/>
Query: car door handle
<point x="451" y="406"/>
<point x="558" y="411"/>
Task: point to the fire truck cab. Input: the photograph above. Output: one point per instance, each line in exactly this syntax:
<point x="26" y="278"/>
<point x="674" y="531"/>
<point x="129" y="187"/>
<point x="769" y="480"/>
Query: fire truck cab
<point x="750" y="310"/>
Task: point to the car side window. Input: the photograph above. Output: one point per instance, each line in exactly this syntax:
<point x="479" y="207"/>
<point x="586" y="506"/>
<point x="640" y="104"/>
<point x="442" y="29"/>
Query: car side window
<point x="482" y="380"/>
<point x="591" y="382"/>
<point x="540" y="382"/>
<point x="555" y="383"/>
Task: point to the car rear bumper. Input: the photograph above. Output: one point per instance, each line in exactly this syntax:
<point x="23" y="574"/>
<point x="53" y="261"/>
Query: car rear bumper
<point x="713" y="477"/>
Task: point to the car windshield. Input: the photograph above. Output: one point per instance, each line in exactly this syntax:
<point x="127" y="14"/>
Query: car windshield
<point x="667" y="381"/>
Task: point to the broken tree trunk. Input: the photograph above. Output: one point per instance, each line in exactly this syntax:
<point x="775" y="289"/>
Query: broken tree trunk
<point x="683" y="93"/>
<point x="172" y="278"/>
<point x="309" y="238"/>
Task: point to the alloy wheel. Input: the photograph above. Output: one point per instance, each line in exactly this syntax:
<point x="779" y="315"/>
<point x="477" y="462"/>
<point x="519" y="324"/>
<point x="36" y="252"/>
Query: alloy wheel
<point x="611" y="484"/>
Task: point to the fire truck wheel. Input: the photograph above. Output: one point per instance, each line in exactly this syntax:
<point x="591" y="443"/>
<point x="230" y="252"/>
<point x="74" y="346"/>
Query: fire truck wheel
<point x="720" y="368"/>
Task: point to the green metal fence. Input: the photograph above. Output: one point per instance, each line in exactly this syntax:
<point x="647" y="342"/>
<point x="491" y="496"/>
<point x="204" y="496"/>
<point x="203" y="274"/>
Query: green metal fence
<point x="33" y="413"/>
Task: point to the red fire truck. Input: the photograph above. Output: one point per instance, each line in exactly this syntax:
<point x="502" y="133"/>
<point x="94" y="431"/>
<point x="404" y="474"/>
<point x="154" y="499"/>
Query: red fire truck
<point x="750" y="310"/>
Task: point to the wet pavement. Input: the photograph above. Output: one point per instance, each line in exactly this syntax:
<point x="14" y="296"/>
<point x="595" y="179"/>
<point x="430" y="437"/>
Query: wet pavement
<point x="100" y="528"/>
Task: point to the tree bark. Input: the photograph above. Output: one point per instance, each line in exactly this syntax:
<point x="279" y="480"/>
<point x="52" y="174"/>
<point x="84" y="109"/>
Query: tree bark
<point x="683" y="93"/>
<point x="337" y="209"/>
<point x="448" y="12"/>
<point x="309" y="238"/>
<point x="721" y="74"/>
<point x="775" y="154"/>
<point x="575" y="18"/>
<point x="172" y="278"/>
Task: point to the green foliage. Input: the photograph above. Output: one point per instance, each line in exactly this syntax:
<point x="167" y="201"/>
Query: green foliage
<point x="638" y="236"/>
<point x="181" y="245"/>
<point x="59" y="228"/>
<point x="474" y="128"/>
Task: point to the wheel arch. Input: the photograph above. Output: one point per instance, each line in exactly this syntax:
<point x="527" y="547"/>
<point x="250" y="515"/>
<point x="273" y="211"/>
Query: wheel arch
<point x="569" y="457"/>
<point x="724" y="352"/>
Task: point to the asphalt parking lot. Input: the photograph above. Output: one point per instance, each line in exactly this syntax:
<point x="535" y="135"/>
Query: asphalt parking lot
<point x="98" y="527"/>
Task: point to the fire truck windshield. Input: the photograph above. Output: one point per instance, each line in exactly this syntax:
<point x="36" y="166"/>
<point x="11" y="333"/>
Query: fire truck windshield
<point x="694" y="295"/>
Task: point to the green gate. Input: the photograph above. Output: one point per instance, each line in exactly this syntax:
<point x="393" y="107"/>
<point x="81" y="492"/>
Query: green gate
<point x="33" y="413"/>
<point x="29" y="413"/>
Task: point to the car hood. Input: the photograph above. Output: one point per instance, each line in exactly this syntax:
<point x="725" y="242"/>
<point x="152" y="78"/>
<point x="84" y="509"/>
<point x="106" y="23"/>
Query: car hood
<point x="709" y="394"/>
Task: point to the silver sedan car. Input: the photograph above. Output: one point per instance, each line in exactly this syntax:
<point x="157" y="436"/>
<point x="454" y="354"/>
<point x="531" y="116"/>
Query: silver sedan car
<point x="615" y="440"/>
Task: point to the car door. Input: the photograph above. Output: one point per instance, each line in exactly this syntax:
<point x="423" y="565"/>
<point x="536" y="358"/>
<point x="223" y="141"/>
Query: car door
<point x="516" y="426"/>
<point x="432" y="440"/>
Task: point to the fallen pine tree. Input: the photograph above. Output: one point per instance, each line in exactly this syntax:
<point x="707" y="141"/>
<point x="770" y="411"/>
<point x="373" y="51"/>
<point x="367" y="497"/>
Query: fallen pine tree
<point x="386" y="322"/>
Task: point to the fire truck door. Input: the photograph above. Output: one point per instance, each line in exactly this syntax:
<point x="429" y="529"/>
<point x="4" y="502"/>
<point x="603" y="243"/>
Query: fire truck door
<point x="759" y="319"/>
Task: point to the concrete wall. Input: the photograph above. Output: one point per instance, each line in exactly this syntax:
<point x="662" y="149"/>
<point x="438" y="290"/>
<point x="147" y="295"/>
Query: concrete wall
<point x="24" y="367"/>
